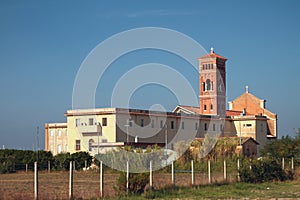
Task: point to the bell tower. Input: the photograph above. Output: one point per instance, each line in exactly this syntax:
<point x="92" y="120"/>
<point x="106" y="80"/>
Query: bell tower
<point x="212" y="82"/>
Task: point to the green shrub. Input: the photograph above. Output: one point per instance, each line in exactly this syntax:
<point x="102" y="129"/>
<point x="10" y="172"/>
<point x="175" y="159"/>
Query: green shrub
<point x="137" y="183"/>
<point x="262" y="171"/>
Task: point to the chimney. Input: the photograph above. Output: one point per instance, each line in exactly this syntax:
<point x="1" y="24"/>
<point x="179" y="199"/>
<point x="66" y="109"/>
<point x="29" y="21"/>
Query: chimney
<point x="263" y="104"/>
<point x="230" y="105"/>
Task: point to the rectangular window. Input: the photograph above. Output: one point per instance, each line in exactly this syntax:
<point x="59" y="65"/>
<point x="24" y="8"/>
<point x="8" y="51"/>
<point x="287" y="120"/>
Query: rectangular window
<point x="130" y="123"/>
<point x="104" y="121"/>
<point x="161" y="123"/>
<point x="77" y="147"/>
<point x="152" y="123"/>
<point x="214" y="127"/>
<point x="77" y="122"/>
<point x="104" y="140"/>
<point x="51" y="133"/>
<point x="91" y="121"/>
<point x="221" y="127"/>
<point x="205" y="126"/>
<point x="182" y="125"/>
<point x="59" y="132"/>
<point x="248" y="125"/>
<point x="196" y="126"/>
<point x="172" y="124"/>
<point x="142" y="122"/>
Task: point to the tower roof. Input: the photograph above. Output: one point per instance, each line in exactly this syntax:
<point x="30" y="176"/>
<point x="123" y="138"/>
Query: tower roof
<point x="212" y="54"/>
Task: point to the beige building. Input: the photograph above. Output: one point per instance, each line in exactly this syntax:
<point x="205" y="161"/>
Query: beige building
<point x="56" y="138"/>
<point x="100" y="129"/>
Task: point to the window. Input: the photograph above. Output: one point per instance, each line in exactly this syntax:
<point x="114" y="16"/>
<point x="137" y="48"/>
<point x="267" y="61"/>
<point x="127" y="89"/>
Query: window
<point x="104" y="140"/>
<point x="205" y="126"/>
<point x="248" y="125"/>
<point x="208" y="85"/>
<point x="130" y="123"/>
<point x="59" y="150"/>
<point x="104" y="121"/>
<point x="91" y="141"/>
<point x="77" y="122"/>
<point x="51" y="133"/>
<point x="91" y="121"/>
<point x="203" y="86"/>
<point x="152" y="123"/>
<point x="196" y="126"/>
<point x="204" y="106"/>
<point x="214" y="127"/>
<point x="172" y="124"/>
<point x="203" y="67"/>
<point x="211" y="107"/>
<point x="182" y="125"/>
<point x="221" y="127"/>
<point x="142" y="122"/>
<point x="59" y="132"/>
<point x="161" y="123"/>
<point x="77" y="146"/>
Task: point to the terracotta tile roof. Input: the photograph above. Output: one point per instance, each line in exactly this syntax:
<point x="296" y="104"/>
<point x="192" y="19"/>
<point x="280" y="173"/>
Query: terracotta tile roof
<point x="233" y="113"/>
<point x="191" y="108"/>
<point x="212" y="55"/>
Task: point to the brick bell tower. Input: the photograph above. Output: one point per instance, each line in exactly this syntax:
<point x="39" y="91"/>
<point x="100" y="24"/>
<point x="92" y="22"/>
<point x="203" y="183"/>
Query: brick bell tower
<point x="212" y="82"/>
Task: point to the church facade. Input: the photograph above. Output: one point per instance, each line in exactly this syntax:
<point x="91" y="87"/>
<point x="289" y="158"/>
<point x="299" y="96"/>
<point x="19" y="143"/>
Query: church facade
<point x="97" y="129"/>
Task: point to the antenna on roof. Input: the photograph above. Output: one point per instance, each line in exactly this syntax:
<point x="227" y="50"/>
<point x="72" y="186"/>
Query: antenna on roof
<point x="212" y="50"/>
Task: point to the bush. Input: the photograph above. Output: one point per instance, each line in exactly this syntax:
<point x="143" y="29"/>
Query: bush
<point x="137" y="183"/>
<point x="262" y="171"/>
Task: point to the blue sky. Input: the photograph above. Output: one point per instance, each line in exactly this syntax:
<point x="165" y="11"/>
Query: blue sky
<point x="43" y="44"/>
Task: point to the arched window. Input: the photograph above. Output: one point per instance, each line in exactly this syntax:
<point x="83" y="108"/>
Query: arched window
<point x="211" y="107"/>
<point x="204" y="106"/>
<point x="208" y="84"/>
<point x="91" y="141"/>
<point x="204" y="87"/>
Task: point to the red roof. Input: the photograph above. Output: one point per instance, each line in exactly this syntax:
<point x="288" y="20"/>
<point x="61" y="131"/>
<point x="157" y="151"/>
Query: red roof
<point x="191" y="108"/>
<point x="212" y="55"/>
<point x="233" y="113"/>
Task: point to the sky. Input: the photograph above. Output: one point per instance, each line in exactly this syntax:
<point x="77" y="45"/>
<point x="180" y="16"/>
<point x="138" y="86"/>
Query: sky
<point x="43" y="44"/>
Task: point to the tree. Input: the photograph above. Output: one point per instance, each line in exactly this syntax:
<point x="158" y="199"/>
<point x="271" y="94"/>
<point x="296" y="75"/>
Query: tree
<point x="80" y="158"/>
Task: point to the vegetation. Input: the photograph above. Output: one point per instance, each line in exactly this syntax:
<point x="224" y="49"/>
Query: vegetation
<point x="14" y="160"/>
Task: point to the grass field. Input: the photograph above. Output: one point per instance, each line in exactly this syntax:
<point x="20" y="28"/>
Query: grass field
<point x="54" y="185"/>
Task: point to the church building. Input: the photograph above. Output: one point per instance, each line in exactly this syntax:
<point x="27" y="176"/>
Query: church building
<point x="97" y="129"/>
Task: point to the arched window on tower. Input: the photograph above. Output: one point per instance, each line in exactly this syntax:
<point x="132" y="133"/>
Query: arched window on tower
<point x="203" y="86"/>
<point x="208" y="84"/>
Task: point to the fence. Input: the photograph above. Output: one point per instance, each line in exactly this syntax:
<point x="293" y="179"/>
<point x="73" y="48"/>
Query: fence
<point x="98" y="184"/>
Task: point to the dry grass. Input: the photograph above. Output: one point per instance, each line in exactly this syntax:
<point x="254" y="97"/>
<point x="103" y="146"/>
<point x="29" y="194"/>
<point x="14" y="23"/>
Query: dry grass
<point x="55" y="185"/>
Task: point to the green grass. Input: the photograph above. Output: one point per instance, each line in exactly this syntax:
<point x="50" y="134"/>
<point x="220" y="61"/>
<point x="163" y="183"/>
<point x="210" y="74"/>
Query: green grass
<point x="288" y="189"/>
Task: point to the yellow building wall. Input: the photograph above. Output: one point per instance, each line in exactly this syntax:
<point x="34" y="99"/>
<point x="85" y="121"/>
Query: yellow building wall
<point x="107" y="133"/>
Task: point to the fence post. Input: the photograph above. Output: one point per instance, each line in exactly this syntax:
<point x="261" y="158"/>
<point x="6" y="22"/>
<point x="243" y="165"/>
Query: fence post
<point x="209" y="178"/>
<point x="127" y="177"/>
<point x="26" y="167"/>
<point x="225" y="173"/>
<point x="283" y="163"/>
<point x="151" y="184"/>
<point x="35" y="181"/>
<point x="292" y="164"/>
<point x="173" y="177"/>
<point x="238" y="166"/>
<point x="192" y="171"/>
<point x="71" y="181"/>
<point x="48" y="166"/>
<point x="101" y="179"/>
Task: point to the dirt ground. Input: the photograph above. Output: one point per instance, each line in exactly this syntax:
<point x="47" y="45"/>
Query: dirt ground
<point x="55" y="185"/>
